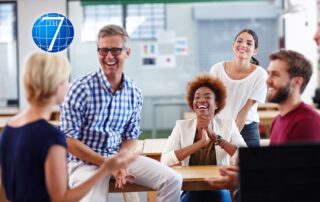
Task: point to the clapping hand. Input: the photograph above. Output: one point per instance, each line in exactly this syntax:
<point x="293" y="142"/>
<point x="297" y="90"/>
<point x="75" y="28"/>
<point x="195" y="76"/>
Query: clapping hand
<point x="205" y="122"/>
<point x="204" y="137"/>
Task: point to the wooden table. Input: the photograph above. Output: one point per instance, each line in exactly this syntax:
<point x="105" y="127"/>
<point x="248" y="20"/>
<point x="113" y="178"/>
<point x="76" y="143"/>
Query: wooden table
<point x="153" y="148"/>
<point x="9" y="111"/>
<point x="268" y="106"/>
<point x="193" y="179"/>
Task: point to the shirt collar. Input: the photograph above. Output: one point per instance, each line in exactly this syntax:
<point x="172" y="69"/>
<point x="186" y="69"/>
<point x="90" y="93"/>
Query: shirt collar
<point x="106" y="84"/>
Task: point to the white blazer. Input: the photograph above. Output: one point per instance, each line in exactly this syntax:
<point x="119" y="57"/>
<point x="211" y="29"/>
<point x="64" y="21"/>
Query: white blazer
<point x="184" y="133"/>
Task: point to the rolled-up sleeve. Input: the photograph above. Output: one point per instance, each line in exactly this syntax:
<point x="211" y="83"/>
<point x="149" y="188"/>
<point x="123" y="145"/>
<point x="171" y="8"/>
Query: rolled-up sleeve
<point x="168" y="156"/>
<point x="72" y="111"/>
<point x="132" y="128"/>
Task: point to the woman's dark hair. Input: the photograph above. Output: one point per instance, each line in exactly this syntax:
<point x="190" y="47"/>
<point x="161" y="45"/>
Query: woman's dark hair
<point x="254" y="61"/>
<point x="256" y="42"/>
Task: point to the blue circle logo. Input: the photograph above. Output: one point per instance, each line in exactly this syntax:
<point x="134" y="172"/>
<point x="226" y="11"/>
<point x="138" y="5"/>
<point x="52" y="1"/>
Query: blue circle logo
<point x="52" y="32"/>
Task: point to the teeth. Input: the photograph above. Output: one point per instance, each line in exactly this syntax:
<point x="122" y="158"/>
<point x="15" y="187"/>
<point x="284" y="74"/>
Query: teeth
<point x="111" y="63"/>
<point x="202" y="107"/>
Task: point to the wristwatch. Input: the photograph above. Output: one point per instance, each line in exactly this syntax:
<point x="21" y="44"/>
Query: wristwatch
<point x="218" y="140"/>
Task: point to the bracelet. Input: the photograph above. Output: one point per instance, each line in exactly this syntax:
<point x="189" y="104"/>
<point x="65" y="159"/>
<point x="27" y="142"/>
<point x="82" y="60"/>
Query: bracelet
<point x="218" y="139"/>
<point x="223" y="143"/>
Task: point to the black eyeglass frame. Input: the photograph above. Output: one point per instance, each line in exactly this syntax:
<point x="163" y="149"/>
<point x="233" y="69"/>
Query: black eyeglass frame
<point x="114" y="51"/>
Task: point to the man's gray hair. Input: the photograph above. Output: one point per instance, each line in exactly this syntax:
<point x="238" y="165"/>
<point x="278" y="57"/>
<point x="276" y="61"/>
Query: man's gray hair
<point x="113" y="30"/>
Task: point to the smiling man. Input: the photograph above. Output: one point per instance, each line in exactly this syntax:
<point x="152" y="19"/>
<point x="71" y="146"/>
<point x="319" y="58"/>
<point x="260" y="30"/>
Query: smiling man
<point x="288" y="75"/>
<point x="101" y="115"/>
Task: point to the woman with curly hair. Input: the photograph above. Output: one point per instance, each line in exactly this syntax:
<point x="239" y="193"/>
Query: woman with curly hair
<point x="204" y="140"/>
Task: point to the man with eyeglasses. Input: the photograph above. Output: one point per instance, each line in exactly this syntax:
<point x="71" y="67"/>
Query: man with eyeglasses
<point x="101" y="115"/>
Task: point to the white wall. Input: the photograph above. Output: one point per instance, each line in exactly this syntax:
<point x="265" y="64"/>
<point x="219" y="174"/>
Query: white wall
<point x="299" y="31"/>
<point x="28" y="12"/>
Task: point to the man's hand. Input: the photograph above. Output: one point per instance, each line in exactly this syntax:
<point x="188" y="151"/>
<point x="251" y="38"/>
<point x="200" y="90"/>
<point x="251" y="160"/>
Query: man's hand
<point x="118" y="166"/>
<point x="122" y="176"/>
<point x="229" y="179"/>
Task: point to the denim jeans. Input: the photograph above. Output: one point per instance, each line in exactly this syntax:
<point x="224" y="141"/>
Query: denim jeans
<point x="251" y="135"/>
<point x="206" y="196"/>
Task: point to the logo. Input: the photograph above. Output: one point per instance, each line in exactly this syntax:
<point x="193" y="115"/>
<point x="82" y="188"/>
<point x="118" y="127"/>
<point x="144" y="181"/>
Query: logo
<point x="52" y="32"/>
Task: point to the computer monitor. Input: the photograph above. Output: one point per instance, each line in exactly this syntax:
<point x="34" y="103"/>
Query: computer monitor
<point x="280" y="173"/>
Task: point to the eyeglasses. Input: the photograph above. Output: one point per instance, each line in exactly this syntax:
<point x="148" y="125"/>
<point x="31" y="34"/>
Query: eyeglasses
<point x="114" y="51"/>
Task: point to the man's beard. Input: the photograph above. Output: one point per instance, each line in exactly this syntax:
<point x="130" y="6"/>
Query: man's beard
<point x="281" y="95"/>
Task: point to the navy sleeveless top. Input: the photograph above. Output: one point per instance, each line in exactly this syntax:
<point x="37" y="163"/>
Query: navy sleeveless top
<point x="23" y="152"/>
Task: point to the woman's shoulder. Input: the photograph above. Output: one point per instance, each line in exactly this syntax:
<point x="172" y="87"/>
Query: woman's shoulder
<point x="20" y="123"/>
<point x="261" y="71"/>
<point x="224" y="123"/>
<point x="218" y="65"/>
<point x="187" y="123"/>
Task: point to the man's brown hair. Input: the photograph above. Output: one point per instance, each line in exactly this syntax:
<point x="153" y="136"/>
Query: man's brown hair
<point x="298" y="65"/>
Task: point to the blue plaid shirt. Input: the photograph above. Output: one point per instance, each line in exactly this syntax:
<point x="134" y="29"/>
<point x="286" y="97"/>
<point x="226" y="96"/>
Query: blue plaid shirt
<point x="99" y="118"/>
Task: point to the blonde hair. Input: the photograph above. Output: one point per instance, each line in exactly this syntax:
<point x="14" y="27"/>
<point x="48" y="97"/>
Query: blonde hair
<point x="42" y="74"/>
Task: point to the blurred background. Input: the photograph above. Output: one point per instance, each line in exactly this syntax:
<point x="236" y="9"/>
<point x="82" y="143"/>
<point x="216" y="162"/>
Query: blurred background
<point x="172" y="42"/>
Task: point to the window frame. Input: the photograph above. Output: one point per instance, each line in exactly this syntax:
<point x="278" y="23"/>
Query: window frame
<point x="124" y="15"/>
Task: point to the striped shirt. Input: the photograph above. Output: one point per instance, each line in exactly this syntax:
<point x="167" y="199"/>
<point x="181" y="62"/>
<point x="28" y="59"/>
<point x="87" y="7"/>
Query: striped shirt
<point x="99" y="118"/>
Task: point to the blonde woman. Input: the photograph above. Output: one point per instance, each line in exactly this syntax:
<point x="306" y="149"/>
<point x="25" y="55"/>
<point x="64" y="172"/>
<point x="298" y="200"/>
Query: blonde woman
<point x="32" y="151"/>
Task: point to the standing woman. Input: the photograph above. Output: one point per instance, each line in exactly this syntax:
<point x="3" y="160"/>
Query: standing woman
<point x="32" y="151"/>
<point x="246" y="86"/>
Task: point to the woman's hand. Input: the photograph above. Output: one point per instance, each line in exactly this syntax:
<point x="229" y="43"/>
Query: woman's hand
<point x="204" y="122"/>
<point x="205" y="138"/>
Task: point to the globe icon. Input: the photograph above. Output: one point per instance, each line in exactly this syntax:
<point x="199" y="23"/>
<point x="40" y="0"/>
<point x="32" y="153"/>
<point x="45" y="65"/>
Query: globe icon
<point x="52" y="32"/>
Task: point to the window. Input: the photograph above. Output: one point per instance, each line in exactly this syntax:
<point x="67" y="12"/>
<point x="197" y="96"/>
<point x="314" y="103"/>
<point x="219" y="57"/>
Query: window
<point x="7" y="22"/>
<point x="97" y="16"/>
<point x="143" y="21"/>
<point x="8" y="55"/>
